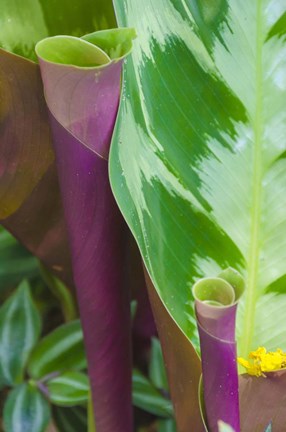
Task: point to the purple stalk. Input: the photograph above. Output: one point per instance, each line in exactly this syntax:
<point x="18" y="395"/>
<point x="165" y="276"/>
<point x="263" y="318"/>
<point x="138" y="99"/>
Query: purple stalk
<point x="216" y="304"/>
<point x="83" y="103"/>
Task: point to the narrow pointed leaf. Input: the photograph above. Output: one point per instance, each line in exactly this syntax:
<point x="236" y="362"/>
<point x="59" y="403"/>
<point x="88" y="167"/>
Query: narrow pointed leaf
<point x="82" y="84"/>
<point x="26" y="410"/>
<point x="20" y="327"/>
<point x="61" y="350"/>
<point x="197" y="162"/>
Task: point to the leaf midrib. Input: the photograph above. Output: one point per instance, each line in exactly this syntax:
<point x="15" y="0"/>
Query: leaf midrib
<point x="254" y="249"/>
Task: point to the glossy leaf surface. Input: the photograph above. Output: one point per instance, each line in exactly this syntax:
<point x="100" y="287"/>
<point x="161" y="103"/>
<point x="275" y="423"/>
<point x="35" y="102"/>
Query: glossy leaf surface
<point x="198" y="163"/>
<point x="26" y="410"/>
<point x="59" y="351"/>
<point x="69" y="389"/>
<point x="20" y="327"/>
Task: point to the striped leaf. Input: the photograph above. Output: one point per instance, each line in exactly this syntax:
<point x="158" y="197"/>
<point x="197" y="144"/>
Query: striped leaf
<point x="198" y="156"/>
<point x="197" y="161"/>
<point x="61" y="350"/>
<point x="26" y="410"/>
<point x="69" y="389"/>
<point x="20" y="327"/>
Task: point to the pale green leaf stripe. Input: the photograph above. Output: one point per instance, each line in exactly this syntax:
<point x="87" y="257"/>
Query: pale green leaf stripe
<point x="61" y="350"/>
<point x="197" y="162"/>
<point x="71" y="388"/>
<point x="26" y="410"/>
<point x="20" y="326"/>
<point x="76" y="381"/>
<point x="269" y="325"/>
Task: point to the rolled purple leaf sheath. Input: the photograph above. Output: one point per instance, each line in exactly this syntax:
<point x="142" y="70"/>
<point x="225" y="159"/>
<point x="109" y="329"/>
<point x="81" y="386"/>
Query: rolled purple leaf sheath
<point x="83" y="104"/>
<point x="95" y="230"/>
<point x="216" y="326"/>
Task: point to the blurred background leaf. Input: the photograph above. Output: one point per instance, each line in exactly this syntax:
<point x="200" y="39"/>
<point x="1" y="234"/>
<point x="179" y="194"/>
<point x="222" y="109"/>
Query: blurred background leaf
<point x="16" y="263"/>
<point x="26" y="410"/>
<point x="70" y="419"/>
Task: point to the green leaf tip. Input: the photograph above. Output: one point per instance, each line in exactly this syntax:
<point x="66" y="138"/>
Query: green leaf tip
<point x="223" y="290"/>
<point x="117" y="43"/>
<point x="90" y="51"/>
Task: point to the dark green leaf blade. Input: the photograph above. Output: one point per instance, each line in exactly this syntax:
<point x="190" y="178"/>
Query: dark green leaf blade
<point x="70" y="419"/>
<point x="61" y="350"/>
<point x="16" y="263"/>
<point x="26" y="410"/>
<point x="20" y="327"/>
<point x="69" y="389"/>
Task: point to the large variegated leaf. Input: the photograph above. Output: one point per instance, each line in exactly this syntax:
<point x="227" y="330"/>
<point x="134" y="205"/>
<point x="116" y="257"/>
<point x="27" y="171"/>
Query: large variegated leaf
<point x="197" y="162"/>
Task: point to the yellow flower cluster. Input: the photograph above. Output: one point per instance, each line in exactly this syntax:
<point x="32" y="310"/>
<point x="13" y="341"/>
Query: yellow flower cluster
<point x="261" y="361"/>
